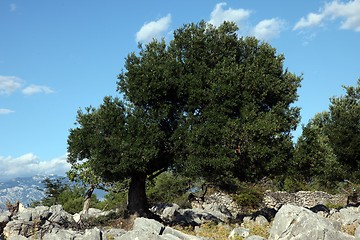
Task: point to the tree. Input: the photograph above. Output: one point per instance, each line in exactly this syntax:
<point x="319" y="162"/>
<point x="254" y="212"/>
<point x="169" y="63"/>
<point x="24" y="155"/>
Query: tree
<point x="314" y="157"/>
<point x="207" y="104"/>
<point x="328" y="151"/>
<point x="81" y="172"/>
<point x="53" y="189"/>
<point x="344" y="129"/>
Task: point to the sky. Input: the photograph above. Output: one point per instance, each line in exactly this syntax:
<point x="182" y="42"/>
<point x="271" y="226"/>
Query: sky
<point x="57" y="57"/>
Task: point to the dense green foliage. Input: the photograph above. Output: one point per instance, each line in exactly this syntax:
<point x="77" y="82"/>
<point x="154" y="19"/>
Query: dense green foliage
<point x="169" y="188"/>
<point x="53" y="189"/>
<point x="344" y="129"/>
<point x="207" y="104"/>
<point x="71" y="197"/>
<point x="328" y="152"/>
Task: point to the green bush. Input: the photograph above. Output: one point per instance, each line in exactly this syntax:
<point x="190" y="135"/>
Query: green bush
<point x="168" y="188"/>
<point x="293" y="185"/>
<point x="113" y="200"/>
<point x="248" y="197"/>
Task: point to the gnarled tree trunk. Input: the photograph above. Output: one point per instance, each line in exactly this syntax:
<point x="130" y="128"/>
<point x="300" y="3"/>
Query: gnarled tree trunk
<point x="88" y="198"/>
<point x="137" y="200"/>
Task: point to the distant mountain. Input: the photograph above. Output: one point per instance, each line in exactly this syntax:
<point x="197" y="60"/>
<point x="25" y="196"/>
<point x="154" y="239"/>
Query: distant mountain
<point x="29" y="189"/>
<point x="24" y="189"/>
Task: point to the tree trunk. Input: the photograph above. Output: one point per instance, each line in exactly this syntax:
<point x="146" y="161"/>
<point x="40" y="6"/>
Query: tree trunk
<point x="137" y="201"/>
<point x="88" y="199"/>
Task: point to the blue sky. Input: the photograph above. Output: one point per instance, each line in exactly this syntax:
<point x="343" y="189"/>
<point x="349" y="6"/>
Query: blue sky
<point x="59" y="56"/>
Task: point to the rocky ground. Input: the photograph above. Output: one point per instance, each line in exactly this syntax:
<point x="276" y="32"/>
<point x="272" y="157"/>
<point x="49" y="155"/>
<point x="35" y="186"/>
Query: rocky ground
<point x="288" y="222"/>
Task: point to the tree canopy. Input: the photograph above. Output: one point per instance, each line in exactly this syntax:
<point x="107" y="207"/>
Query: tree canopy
<point x="206" y="104"/>
<point x="328" y="149"/>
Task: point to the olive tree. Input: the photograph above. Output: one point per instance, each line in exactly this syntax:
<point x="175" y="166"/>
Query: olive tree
<point x="207" y="104"/>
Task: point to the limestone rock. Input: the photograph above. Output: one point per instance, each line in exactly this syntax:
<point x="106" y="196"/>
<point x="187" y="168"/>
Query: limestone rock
<point x="148" y="225"/>
<point x="113" y="233"/>
<point x="357" y="233"/>
<point x="91" y="234"/>
<point x="255" y="237"/>
<point x="239" y="232"/>
<point x="179" y="235"/>
<point x="297" y="223"/>
<point x="61" y="234"/>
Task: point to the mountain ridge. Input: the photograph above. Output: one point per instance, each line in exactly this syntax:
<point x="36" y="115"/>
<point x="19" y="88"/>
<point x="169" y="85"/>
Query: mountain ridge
<point x="23" y="189"/>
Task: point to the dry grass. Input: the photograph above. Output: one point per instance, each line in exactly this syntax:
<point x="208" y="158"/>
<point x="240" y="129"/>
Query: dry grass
<point x="349" y="229"/>
<point x="222" y="231"/>
<point x="208" y="230"/>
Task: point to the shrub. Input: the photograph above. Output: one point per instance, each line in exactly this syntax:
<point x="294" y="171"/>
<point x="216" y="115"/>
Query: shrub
<point x="113" y="200"/>
<point x="248" y="197"/>
<point x="168" y="188"/>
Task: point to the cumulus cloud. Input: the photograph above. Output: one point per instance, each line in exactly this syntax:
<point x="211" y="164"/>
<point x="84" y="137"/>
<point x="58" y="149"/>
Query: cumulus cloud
<point x="154" y="29"/>
<point x="33" y="89"/>
<point x="219" y="15"/>
<point x="29" y="165"/>
<point x="268" y="29"/>
<point x="4" y="111"/>
<point x="347" y="12"/>
<point x="9" y="84"/>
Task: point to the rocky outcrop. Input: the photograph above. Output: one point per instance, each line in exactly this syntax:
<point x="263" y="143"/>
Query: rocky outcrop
<point x="296" y="223"/>
<point x="290" y="223"/>
<point x="53" y="223"/>
<point x="173" y="214"/>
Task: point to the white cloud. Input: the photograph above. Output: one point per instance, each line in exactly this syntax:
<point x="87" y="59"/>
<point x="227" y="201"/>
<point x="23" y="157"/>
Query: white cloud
<point x="9" y="84"/>
<point x="13" y="7"/>
<point x="348" y="12"/>
<point x="219" y="15"/>
<point x="311" y="20"/>
<point x="268" y="28"/>
<point x="154" y="29"/>
<point x="33" y="89"/>
<point x="4" y="111"/>
<point x="30" y="165"/>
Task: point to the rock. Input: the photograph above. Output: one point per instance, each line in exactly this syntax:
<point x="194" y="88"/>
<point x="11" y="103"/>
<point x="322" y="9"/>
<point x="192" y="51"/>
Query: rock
<point x="349" y="215"/>
<point x="239" y="232"/>
<point x="169" y="212"/>
<point x="299" y="223"/>
<point x="140" y="235"/>
<point x="261" y="220"/>
<point x="42" y="213"/>
<point x="113" y="233"/>
<point x="91" y="234"/>
<point x="255" y="237"/>
<point x="77" y="217"/>
<point x="144" y="228"/>
<point x="61" y="234"/>
<point x="21" y="208"/>
<point x="60" y="217"/>
<point x="5" y="218"/>
<point x="17" y="238"/>
<point x="357" y="233"/>
<point x="148" y="225"/>
<point x="179" y="235"/>
<point x="25" y="215"/>
<point x="19" y="227"/>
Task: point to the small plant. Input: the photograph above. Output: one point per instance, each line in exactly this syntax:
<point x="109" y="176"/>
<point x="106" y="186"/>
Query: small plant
<point x="334" y="205"/>
<point x="249" y="198"/>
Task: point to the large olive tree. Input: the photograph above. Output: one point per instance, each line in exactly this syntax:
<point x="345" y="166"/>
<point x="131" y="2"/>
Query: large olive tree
<point x="206" y="104"/>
